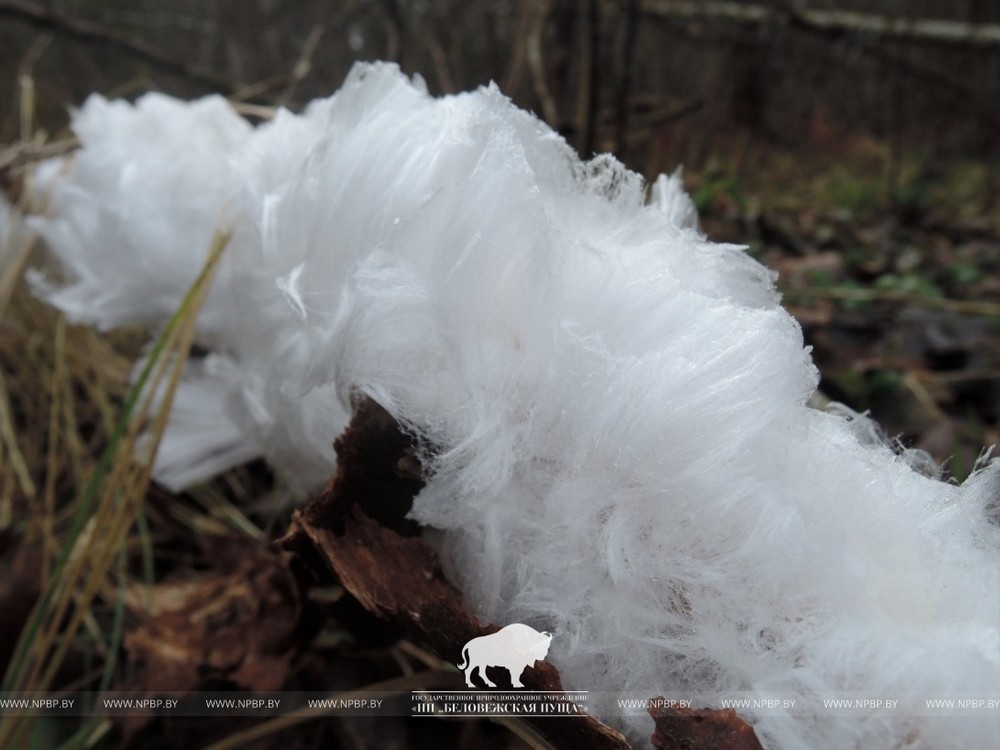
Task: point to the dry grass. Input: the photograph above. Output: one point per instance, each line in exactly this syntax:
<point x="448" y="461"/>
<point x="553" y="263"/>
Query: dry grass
<point x="69" y="419"/>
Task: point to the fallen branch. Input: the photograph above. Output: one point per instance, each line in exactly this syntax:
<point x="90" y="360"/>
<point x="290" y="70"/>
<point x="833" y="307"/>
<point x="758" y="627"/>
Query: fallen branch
<point x="834" y="21"/>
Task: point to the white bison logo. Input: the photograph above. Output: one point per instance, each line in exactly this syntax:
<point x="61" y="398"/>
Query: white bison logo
<point x="515" y="648"/>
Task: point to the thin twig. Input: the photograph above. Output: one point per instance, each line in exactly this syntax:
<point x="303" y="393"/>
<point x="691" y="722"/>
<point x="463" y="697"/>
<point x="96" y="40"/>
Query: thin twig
<point x="593" y="80"/>
<point x="625" y="79"/>
<point x="26" y="82"/>
<point x="303" y="66"/>
<point x="583" y="90"/>
<point x="19" y="154"/>
<point x="539" y="13"/>
<point x="518" y="55"/>
<point x="440" y="60"/>
<point x="394" y="28"/>
<point x="8" y="436"/>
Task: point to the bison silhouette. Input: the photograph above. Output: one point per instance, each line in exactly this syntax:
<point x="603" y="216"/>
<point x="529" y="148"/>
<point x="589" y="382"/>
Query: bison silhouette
<point x="515" y="648"/>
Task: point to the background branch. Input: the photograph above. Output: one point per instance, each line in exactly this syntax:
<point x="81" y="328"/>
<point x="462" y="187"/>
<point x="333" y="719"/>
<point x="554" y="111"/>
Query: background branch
<point x="89" y="32"/>
<point x="944" y="31"/>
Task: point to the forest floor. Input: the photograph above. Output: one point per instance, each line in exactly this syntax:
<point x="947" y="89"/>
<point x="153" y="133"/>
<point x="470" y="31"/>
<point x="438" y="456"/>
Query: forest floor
<point x="897" y="289"/>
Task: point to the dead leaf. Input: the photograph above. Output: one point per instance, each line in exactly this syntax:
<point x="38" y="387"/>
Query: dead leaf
<point x="235" y="622"/>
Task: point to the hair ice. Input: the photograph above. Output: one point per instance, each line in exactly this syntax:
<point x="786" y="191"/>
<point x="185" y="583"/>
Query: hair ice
<point x="627" y="458"/>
